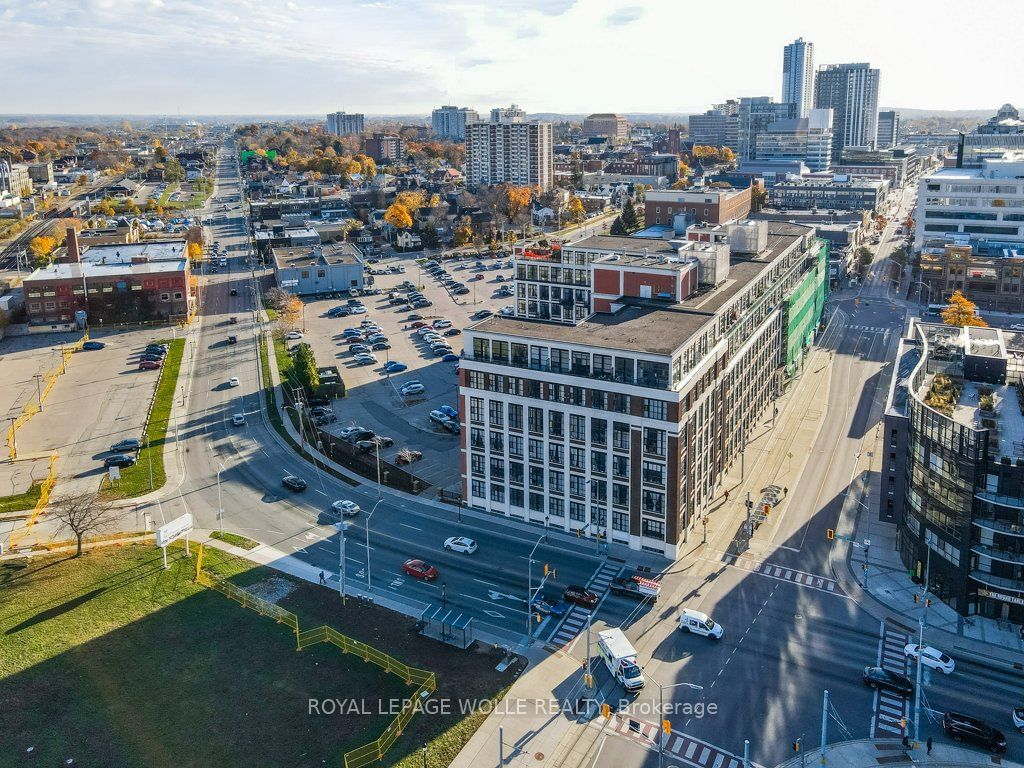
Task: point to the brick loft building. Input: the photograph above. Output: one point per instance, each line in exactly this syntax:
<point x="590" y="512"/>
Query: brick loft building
<point x="117" y="283"/>
<point x="700" y="205"/>
<point x="619" y="418"/>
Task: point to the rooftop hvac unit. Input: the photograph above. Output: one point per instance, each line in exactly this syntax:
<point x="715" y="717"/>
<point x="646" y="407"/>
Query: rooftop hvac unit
<point x="748" y="236"/>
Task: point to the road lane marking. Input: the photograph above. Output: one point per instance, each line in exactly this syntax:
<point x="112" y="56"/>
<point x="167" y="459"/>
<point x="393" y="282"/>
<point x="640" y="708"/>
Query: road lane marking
<point x="406" y="525"/>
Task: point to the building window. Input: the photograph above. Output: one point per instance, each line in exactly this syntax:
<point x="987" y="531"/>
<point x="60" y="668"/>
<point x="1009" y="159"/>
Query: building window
<point x="537" y="478"/>
<point x="577" y="428"/>
<point x="478" y="489"/>
<point x="536" y="502"/>
<point x="515" y="416"/>
<point x="598" y="462"/>
<point x="577" y="512"/>
<point x="536" y="420"/>
<point x="577" y="486"/>
<point x="653" y="503"/>
<point x="497" y="413"/>
<point x="598" y="400"/>
<point x="655" y="441"/>
<point x="536" y="450"/>
<point x="515" y="472"/>
<point x="515" y="446"/>
<point x="476" y="410"/>
<point x="497" y="470"/>
<point x="653" y="529"/>
<point x="515" y="497"/>
<point x="620" y="436"/>
<point x="556" y="424"/>
<point x="476" y="438"/>
<point x="620" y="495"/>
<point x="577" y="458"/>
<point x="556" y="507"/>
<point x="305" y="276"/>
<point x="476" y="464"/>
<point x="620" y="466"/>
<point x="556" y="481"/>
<point x="497" y="442"/>
<point x="654" y="473"/>
<point x="620" y="521"/>
<point x="655" y="409"/>
<point x="599" y="431"/>
<point x="498" y="493"/>
<point x="556" y="454"/>
<point x="598" y="491"/>
<point x="620" y="403"/>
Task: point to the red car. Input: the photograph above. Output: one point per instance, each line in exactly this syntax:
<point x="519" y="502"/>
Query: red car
<point x="581" y="597"/>
<point x="149" y="365"/>
<point x="418" y="324"/>
<point x="420" y="570"/>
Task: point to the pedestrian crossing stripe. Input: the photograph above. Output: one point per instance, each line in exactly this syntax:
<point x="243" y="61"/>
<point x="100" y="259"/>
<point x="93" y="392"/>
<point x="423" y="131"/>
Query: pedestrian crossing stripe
<point x="801" y="578"/>
<point x="891" y="710"/>
<point x="688" y="749"/>
<point x="576" y="617"/>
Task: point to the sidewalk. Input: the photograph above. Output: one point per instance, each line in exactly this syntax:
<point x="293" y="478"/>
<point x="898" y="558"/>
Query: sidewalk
<point x="868" y="753"/>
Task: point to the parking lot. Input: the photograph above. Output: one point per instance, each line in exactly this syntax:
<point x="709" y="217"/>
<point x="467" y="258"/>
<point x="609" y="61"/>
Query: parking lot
<point x="102" y="398"/>
<point x="374" y="399"/>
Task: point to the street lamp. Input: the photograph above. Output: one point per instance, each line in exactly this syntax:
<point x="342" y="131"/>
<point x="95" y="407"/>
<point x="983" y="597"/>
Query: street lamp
<point x="529" y="592"/>
<point x="444" y="595"/>
<point x="661" y="712"/>
<point x="369" y="584"/>
<point x="220" y="505"/>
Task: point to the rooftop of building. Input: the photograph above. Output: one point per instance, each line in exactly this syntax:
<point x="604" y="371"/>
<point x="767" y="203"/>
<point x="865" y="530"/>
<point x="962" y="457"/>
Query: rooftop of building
<point x="623" y="245"/>
<point x="653" y="326"/>
<point x="830" y="183"/>
<point x="323" y="255"/>
<point x="667" y="195"/>
<point x="66" y="271"/>
<point x="149" y="250"/>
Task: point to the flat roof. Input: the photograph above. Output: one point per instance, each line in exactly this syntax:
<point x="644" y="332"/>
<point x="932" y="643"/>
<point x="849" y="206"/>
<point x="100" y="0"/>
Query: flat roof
<point x="67" y="271"/>
<point x="630" y="245"/>
<point x="332" y="254"/>
<point x="153" y="250"/>
<point x="649" y="325"/>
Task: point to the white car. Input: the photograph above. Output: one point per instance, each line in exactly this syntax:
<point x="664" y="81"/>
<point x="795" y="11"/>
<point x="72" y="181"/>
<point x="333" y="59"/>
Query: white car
<point x="439" y="417"/>
<point x="358" y="310"/>
<point x="508" y="311"/>
<point x="238" y="419"/>
<point x="425" y="330"/>
<point x="460" y="544"/>
<point x="412" y="389"/>
<point x="347" y="432"/>
<point x="442" y="323"/>
<point x="293" y="335"/>
<point x="1018" y="719"/>
<point x="699" y="624"/>
<point x="346" y="508"/>
<point x="930" y="657"/>
<point x="365" y="358"/>
<point x="233" y="381"/>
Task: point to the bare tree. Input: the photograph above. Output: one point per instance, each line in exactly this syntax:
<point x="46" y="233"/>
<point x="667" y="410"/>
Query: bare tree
<point x="81" y="514"/>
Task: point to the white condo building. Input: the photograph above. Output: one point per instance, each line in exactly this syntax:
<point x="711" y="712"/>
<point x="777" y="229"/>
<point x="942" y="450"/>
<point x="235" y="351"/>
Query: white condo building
<point x="449" y="122"/>
<point x="798" y="75"/>
<point x="344" y="124"/>
<point x="514" y="152"/>
<point x="805" y="139"/>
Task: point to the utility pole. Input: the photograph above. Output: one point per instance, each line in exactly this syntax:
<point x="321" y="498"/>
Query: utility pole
<point x="39" y="394"/>
<point x="341" y="562"/>
<point x="501" y="747"/>
<point x="589" y="680"/>
<point x="867" y="547"/>
<point x="746" y="753"/>
<point x="917" y="684"/>
<point x="824" y="727"/>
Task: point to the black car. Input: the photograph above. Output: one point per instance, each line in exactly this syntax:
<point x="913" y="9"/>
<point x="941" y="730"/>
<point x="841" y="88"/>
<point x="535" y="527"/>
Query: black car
<point x="232" y="339"/>
<point x="319" y="400"/>
<point x="234" y="292"/>
<point x="963" y="728"/>
<point x="154" y="350"/>
<point x="152" y="358"/>
<point x="293" y="483"/>
<point x="327" y="418"/>
<point x="128" y="444"/>
<point x="877" y="677"/>
<point x="119" y="460"/>
<point x="452" y="332"/>
<point x="414" y="317"/>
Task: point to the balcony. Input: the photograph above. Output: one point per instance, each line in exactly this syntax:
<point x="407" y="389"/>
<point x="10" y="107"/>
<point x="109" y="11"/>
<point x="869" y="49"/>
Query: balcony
<point x="997" y="553"/>
<point x="651" y="381"/>
<point x="997" y="581"/>
<point x="1010" y="502"/>
<point x="999" y="526"/>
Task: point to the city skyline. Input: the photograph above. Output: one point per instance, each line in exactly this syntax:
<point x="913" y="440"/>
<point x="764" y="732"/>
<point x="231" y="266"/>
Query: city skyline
<point x="240" y="58"/>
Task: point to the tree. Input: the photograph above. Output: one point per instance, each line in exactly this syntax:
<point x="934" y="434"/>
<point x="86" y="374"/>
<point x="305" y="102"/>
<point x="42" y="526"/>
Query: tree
<point x="758" y="197"/>
<point x="276" y="298"/>
<point x="630" y="218"/>
<point x="685" y="171"/>
<point x="398" y="216"/>
<point x="617" y="228"/>
<point x="411" y="199"/>
<point x="368" y="165"/>
<point x="463" y="234"/>
<point x="292" y="312"/>
<point x="41" y="247"/>
<point x="574" y="210"/>
<point x="195" y="252"/>
<point x="173" y="170"/>
<point x="962" y="311"/>
<point x="516" y="199"/>
<point x="81" y="514"/>
<point x="305" y="369"/>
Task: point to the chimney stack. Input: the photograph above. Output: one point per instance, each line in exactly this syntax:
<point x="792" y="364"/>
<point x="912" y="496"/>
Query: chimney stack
<point x="74" y="251"/>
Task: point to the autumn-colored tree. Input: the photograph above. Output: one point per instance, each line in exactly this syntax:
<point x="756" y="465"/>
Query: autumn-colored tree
<point x="398" y="216"/>
<point x="173" y="171"/>
<point x="195" y="252"/>
<point x="516" y="199"/>
<point x="758" y="198"/>
<point x="574" y="210"/>
<point x="368" y="165"/>
<point x="680" y="184"/>
<point x="962" y="311"/>
<point x="685" y="171"/>
<point x="352" y="167"/>
<point x="463" y="234"/>
<point x="41" y="247"/>
<point x="292" y="313"/>
<point x="412" y="200"/>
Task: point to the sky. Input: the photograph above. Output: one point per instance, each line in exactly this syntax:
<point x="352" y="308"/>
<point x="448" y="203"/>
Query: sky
<point x="406" y="57"/>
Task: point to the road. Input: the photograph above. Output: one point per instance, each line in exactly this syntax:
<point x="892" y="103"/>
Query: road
<point x="489" y="586"/>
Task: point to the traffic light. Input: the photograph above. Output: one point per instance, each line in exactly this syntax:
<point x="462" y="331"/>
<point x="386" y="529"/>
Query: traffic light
<point x="539" y="618"/>
<point x="927" y="602"/>
<point x="917" y="597"/>
<point x="830" y="534"/>
<point x="547" y="568"/>
<point x="796" y="746"/>
<point x="666" y="726"/>
<point x="863" y="566"/>
<point x="606" y="710"/>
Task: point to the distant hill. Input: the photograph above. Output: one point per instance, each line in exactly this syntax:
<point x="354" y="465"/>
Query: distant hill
<point x="944" y="114"/>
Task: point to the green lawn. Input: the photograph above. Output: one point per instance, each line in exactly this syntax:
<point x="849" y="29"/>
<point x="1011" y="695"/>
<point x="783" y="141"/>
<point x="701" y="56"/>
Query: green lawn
<point x="110" y="660"/>
<point x="21" y="501"/>
<point x="234" y="539"/>
<point x="135" y="479"/>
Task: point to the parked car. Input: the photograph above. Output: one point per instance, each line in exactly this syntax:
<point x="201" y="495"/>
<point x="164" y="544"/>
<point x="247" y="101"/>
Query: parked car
<point x="292" y="335"/>
<point x="233" y="381"/>
<point x="92" y="346"/>
<point x="420" y="570"/>
<point x="128" y="444"/>
<point x="152" y="358"/>
<point x="349" y="332"/>
<point x="293" y="483"/>
<point x="448" y="411"/>
<point x="442" y="323"/>
<point x="359" y="348"/>
<point x="964" y="728"/>
<point x="451" y="357"/>
<point x="365" y="358"/>
<point x="327" y="418"/>
<point x="482" y="314"/>
<point x="438" y="417"/>
<point x="119" y="460"/>
<point x="238" y="419"/>
<point x="407" y="456"/>
<point x="452" y="332"/>
<point x="887" y="680"/>
<point x="452" y="426"/>
<point x="149" y="365"/>
<point x="412" y="388"/>
<point x="395" y="367"/>
<point x="462" y="544"/>
<point x="383" y="441"/>
<point x="348" y="432"/>
<point x="359" y="310"/>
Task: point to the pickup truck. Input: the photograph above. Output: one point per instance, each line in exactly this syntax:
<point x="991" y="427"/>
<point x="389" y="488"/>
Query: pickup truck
<point x="636" y="587"/>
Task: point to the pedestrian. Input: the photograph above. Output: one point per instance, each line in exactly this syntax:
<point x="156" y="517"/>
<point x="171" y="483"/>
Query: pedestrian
<point x="727" y="498"/>
<point x="906" y="740"/>
<point x="1022" y="631"/>
<point x="322" y="579"/>
<point x="929" y="745"/>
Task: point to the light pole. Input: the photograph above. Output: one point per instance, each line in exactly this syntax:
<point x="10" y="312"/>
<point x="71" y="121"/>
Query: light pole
<point x="444" y="595"/>
<point x="39" y="394"/>
<point x="661" y="712"/>
<point x="546" y="521"/>
<point x="369" y="584"/>
<point x="342" y="527"/>
<point x="220" y="504"/>
<point x="529" y="592"/>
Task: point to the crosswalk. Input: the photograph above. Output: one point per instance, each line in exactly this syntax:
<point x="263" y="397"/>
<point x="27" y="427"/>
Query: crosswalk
<point x="800" y="578"/>
<point x="576" y="618"/>
<point x="867" y="328"/>
<point x="891" y="710"/>
<point x="682" y="747"/>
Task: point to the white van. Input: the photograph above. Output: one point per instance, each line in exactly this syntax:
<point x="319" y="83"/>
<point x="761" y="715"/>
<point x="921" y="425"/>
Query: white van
<point x="699" y="624"/>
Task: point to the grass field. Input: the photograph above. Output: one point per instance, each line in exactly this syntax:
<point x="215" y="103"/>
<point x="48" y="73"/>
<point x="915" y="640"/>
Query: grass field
<point x="234" y="539"/>
<point x="21" y="501"/>
<point x="110" y="660"/>
<point x="135" y="479"/>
